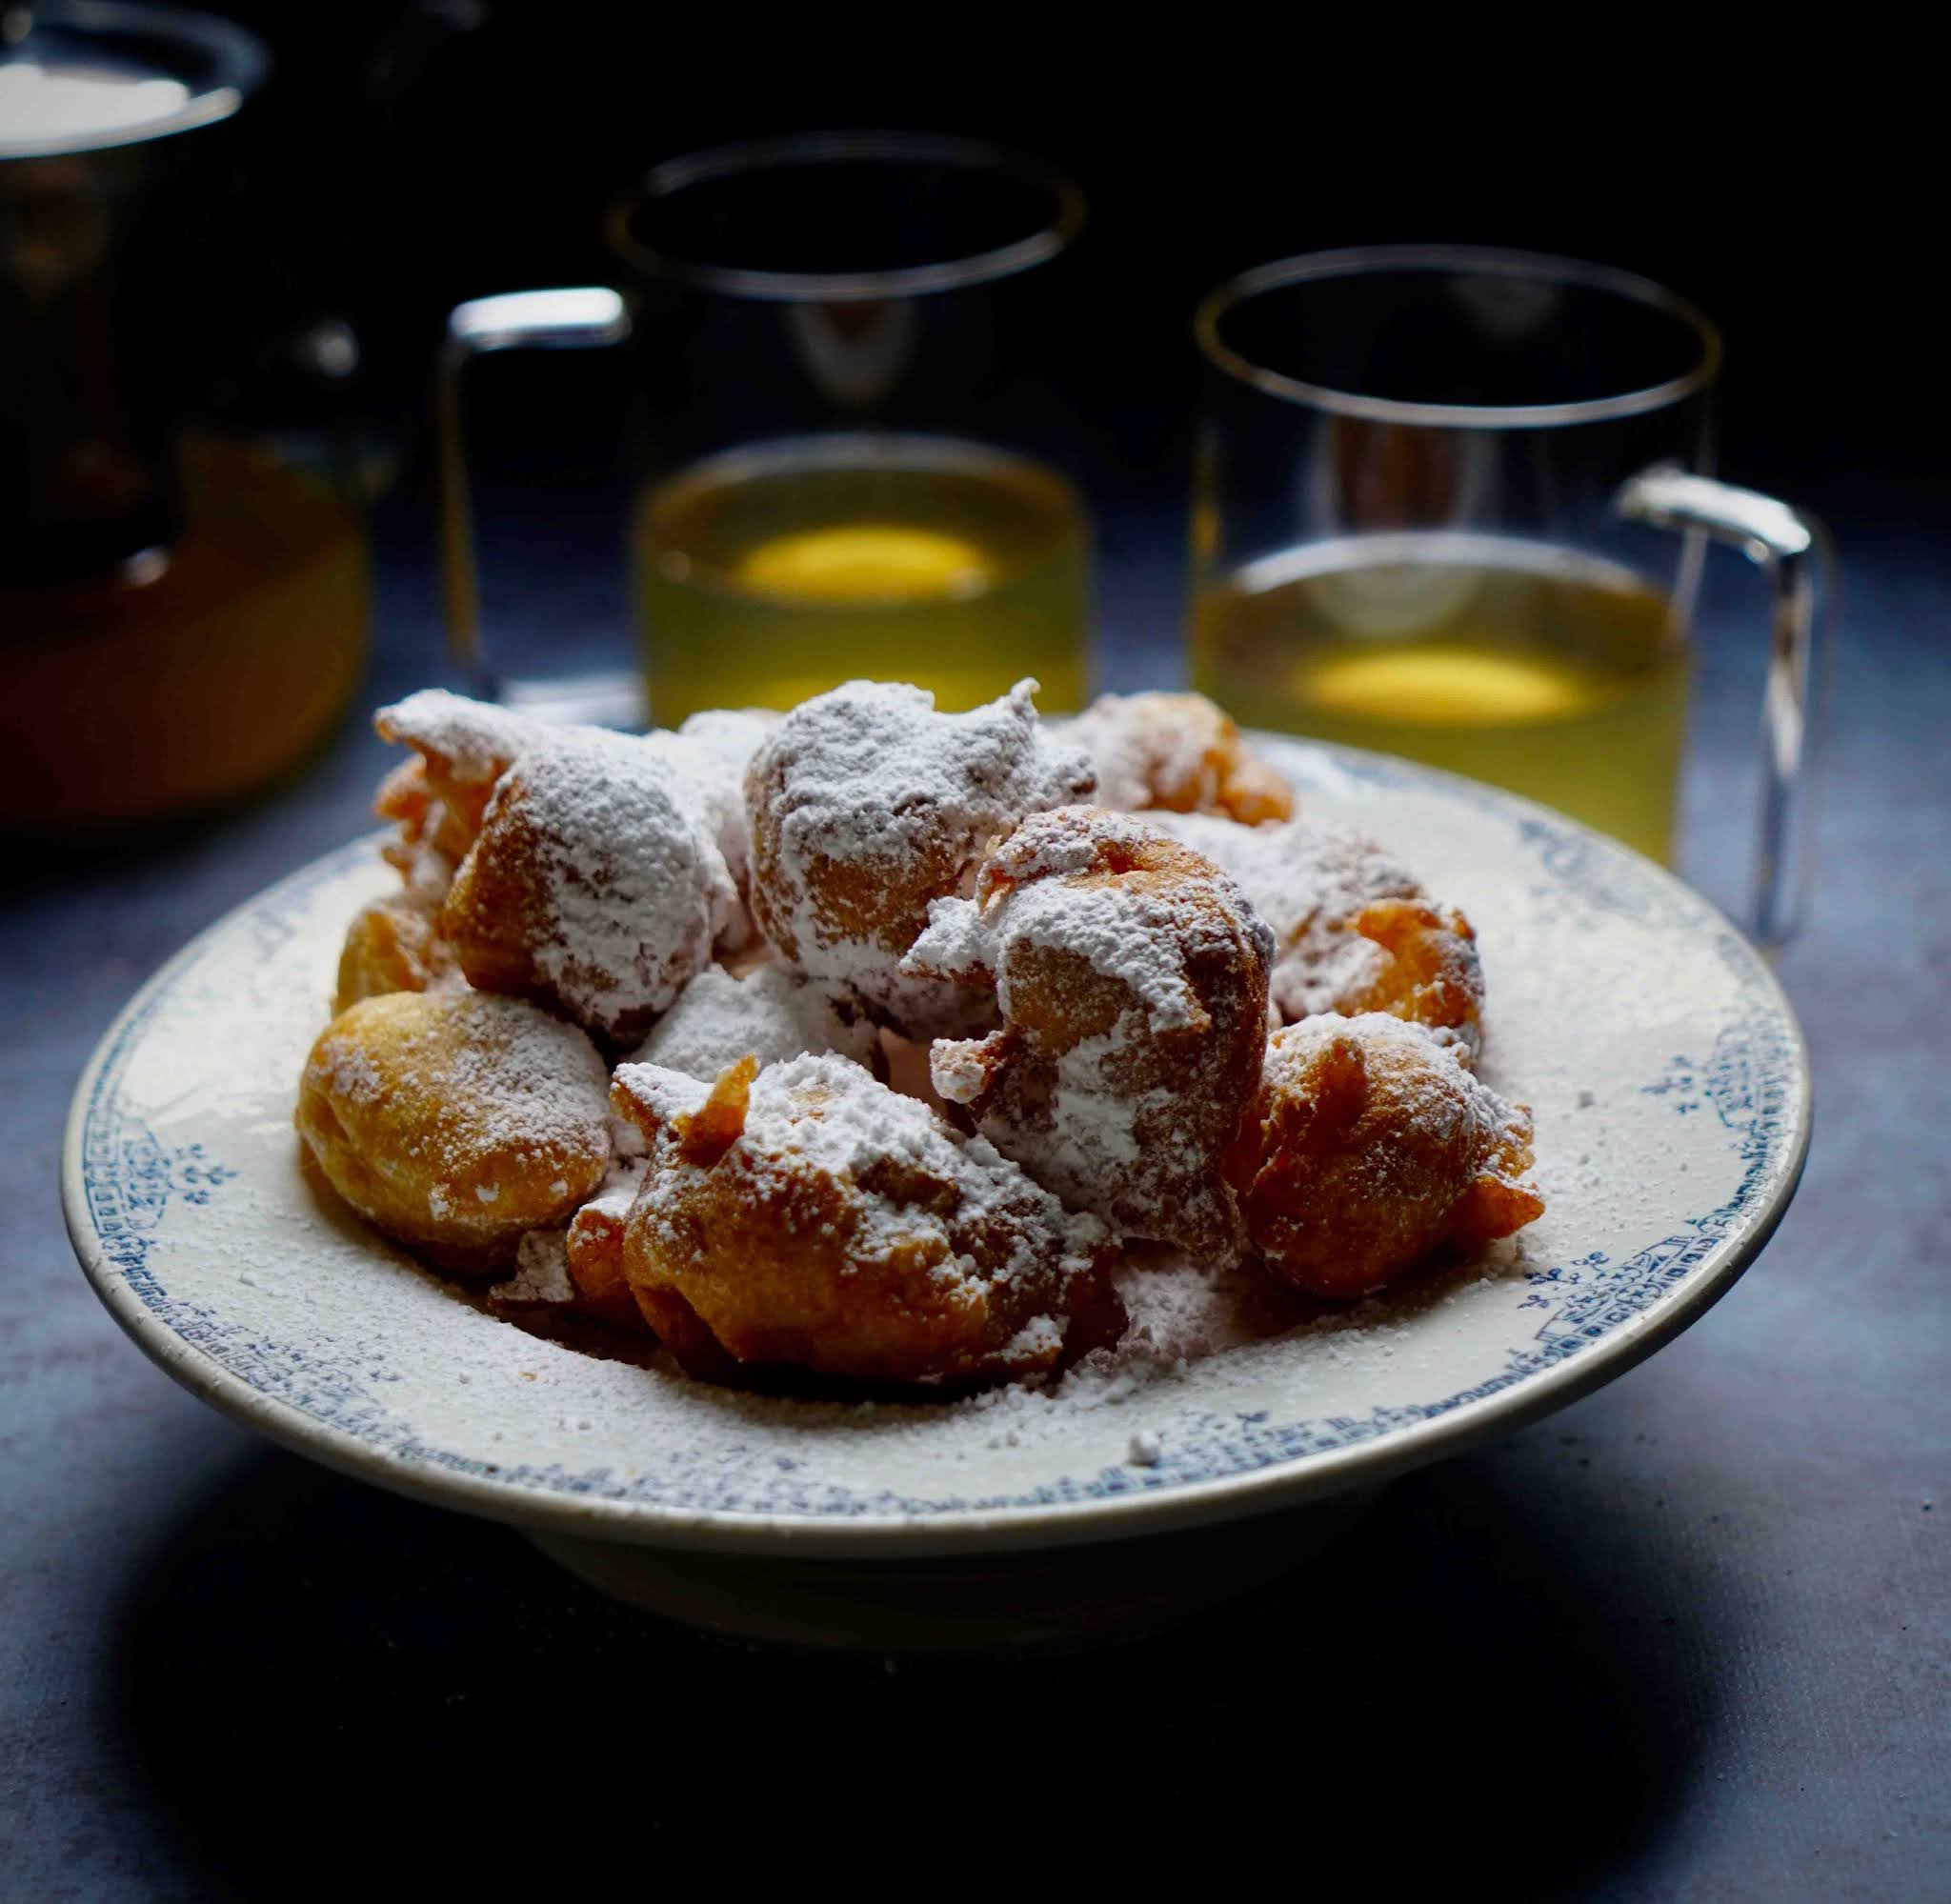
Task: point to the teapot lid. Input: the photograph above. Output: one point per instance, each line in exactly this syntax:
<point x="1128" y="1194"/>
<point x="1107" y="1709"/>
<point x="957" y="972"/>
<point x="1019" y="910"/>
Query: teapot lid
<point x="83" y="75"/>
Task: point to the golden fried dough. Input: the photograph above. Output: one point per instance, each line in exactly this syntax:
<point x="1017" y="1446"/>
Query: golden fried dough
<point x="1430" y="972"/>
<point x="806" y="1216"/>
<point x="596" y="886"/>
<point x="866" y="805"/>
<point x="1132" y="978"/>
<point x="393" y="945"/>
<point x="461" y="747"/>
<point x="1353" y="929"/>
<point x="594" y="1247"/>
<point x="774" y="916"/>
<point x="1369" y="1146"/>
<point x="455" y="1121"/>
<point x="1178" y="752"/>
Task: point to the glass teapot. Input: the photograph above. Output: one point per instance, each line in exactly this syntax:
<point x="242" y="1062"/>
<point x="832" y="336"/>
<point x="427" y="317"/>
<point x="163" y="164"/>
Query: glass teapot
<point x="183" y="609"/>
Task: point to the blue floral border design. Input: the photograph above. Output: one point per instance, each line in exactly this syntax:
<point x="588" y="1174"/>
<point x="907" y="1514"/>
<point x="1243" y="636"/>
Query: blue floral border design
<point x="1749" y="1080"/>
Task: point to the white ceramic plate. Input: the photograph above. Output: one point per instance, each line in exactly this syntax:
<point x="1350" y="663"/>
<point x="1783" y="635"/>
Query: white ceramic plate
<point x="1664" y="1068"/>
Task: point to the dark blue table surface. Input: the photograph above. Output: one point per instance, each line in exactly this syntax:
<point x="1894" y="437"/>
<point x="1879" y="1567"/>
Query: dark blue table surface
<point x="1686" y="1639"/>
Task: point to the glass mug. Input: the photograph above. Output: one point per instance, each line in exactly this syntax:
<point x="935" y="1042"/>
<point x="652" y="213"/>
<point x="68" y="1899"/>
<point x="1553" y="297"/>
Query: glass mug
<point x="1433" y="495"/>
<point x="842" y="463"/>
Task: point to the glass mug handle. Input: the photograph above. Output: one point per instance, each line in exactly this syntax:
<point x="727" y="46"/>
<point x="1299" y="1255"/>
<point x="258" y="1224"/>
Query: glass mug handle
<point x="585" y="318"/>
<point x="1793" y="548"/>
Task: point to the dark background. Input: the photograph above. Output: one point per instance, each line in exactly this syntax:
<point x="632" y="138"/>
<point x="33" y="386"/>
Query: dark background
<point x="404" y="157"/>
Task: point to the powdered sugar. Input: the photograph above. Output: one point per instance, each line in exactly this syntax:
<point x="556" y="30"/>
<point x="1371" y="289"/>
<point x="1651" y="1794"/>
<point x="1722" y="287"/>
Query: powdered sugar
<point x="710" y="752"/>
<point x="347" y="1071"/>
<point x="1307" y="882"/>
<point x="1179" y="1312"/>
<point x="541" y="1273"/>
<point x="625" y="888"/>
<point x="770" y="1013"/>
<point x="1117" y="1087"/>
<point x="1176" y="752"/>
<point x="1133" y="936"/>
<point x="476" y="740"/>
<point x="874" y="774"/>
<point x="866" y="805"/>
<point x="828" y="1114"/>
<point x="504" y="1075"/>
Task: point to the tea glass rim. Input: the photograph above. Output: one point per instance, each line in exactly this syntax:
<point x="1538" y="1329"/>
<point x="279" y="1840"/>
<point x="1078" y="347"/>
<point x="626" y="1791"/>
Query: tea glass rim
<point x="1065" y="219"/>
<point x="1358" y="260"/>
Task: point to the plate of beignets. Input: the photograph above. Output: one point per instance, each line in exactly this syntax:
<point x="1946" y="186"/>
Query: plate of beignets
<point x="885" y="1128"/>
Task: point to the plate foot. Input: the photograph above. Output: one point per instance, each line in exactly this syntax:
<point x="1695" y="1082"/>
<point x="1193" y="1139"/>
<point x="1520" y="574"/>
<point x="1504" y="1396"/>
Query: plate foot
<point x="1057" y="1598"/>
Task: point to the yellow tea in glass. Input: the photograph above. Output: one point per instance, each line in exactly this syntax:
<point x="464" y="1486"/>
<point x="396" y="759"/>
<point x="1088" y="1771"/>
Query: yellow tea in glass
<point x="1434" y="501"/>
<point x="1562" y="676"/>
<point x="777" y="571"/>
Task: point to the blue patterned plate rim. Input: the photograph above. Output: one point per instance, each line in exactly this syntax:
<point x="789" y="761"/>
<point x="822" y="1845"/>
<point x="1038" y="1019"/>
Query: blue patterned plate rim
<point x="1126" y="1508"/>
